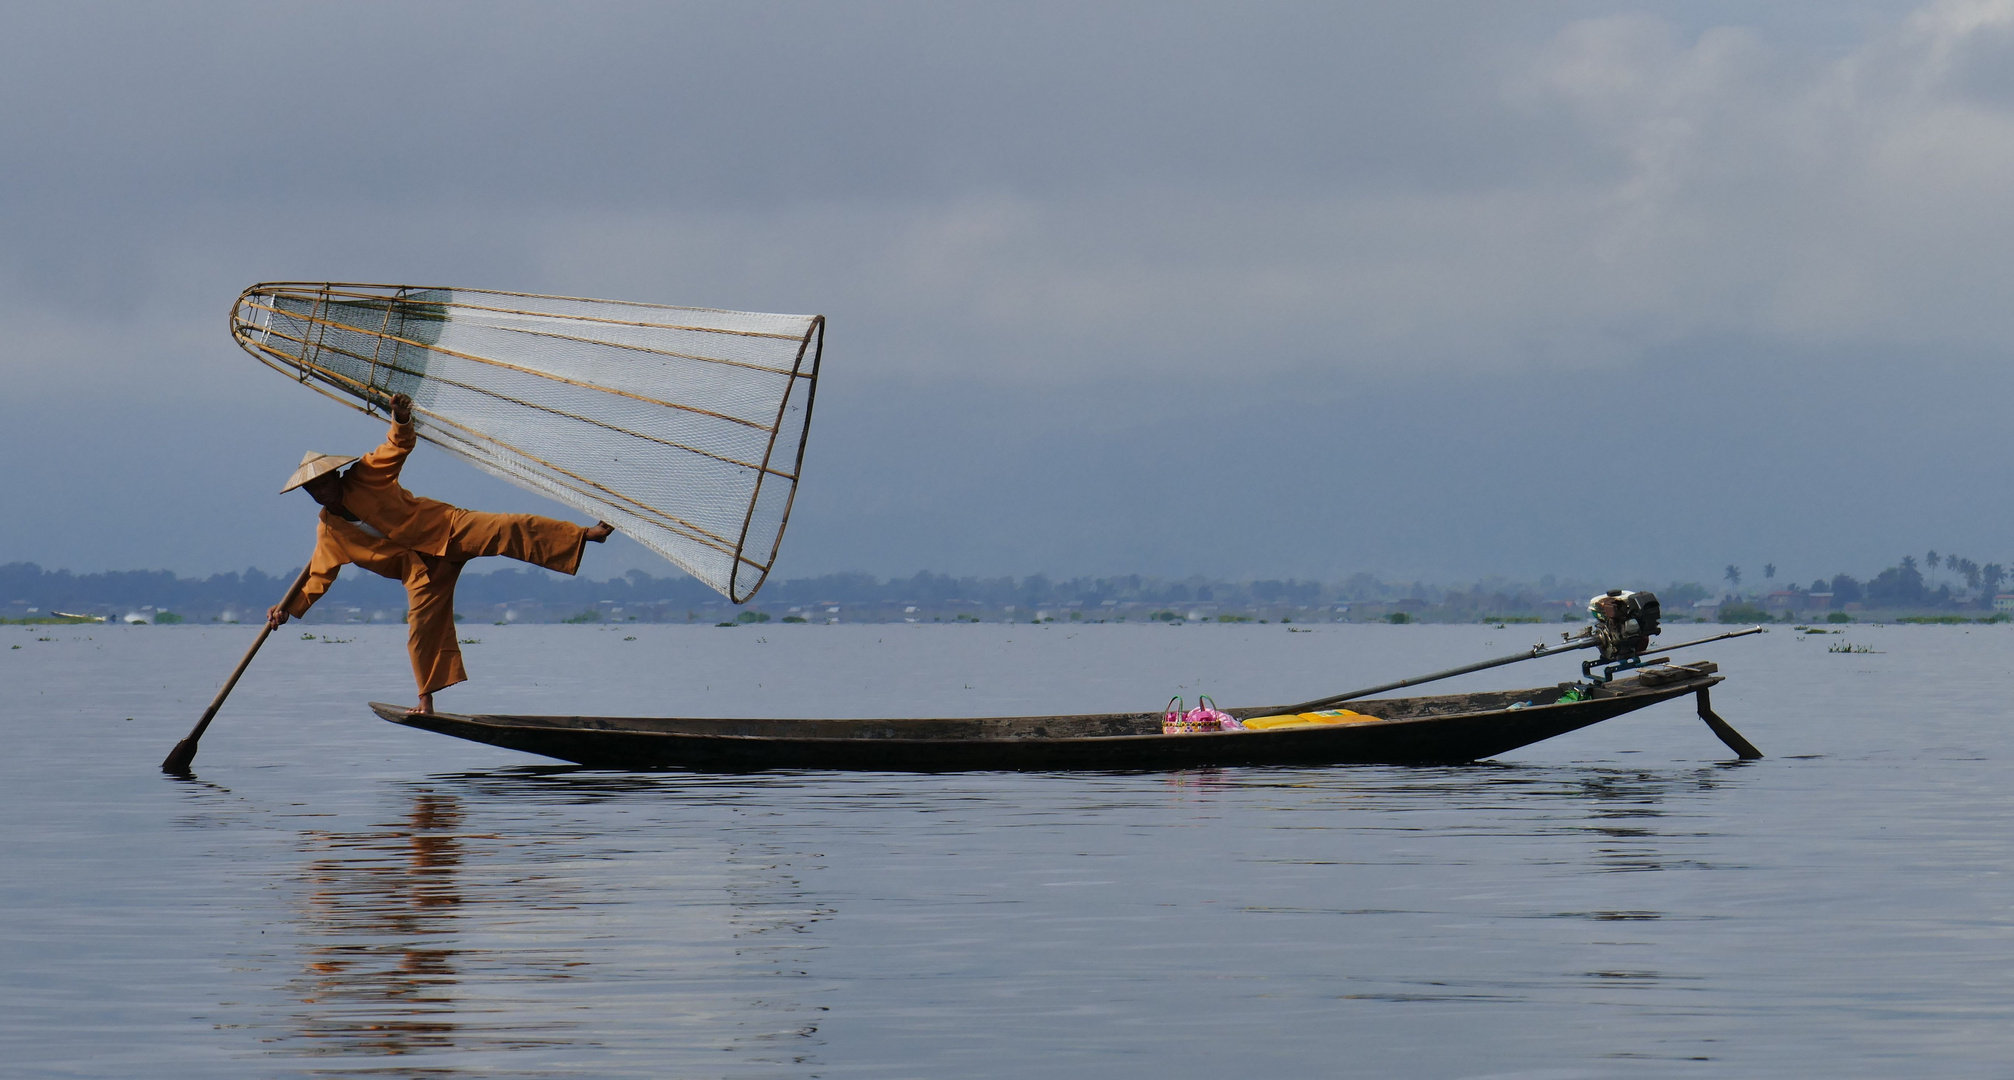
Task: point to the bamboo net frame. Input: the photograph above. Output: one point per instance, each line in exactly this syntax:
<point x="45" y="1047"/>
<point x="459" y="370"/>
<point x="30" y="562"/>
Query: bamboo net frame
<point x="682" y="427"/>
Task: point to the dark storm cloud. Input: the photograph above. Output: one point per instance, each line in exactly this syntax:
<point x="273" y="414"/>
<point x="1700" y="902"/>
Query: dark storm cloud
<point x="744" y="104"/>
<point x="1166" y="247"/>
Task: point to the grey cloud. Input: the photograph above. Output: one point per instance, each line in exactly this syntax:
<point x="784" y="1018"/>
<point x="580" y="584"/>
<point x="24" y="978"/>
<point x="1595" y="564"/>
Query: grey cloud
<point x="1319" y="233"/>
<point x="627" y="103"/>
<point x="1081" y="187"/>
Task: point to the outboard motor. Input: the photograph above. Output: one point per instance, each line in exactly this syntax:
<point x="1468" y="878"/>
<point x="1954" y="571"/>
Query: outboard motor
<point x="1624" y="622"/>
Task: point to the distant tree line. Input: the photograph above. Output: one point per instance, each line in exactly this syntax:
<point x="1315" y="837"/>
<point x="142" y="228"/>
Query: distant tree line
<point x="1903" y="586"/>
<point x="28" y="585"/>
<point x="25" y="585"/>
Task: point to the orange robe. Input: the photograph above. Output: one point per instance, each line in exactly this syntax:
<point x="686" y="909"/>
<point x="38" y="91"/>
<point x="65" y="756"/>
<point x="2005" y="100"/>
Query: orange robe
<point x="371" y="491"/>
<point x="447" y="537"/>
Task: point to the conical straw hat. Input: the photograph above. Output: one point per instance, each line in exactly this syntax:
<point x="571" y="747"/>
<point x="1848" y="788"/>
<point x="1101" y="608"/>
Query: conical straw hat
<point x="313" y="464"/>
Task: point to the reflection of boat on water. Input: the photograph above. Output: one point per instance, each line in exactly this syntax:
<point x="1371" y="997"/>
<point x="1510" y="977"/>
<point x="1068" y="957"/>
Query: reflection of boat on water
<point x="548" y="920"/>
<point x="1441" y="728"/>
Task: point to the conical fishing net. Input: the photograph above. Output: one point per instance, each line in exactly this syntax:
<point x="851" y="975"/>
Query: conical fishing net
<point x="682" y="427"/>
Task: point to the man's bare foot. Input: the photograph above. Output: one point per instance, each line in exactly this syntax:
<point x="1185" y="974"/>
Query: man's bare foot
<point x="424" y="708"/>
<point x="600" y="532"/>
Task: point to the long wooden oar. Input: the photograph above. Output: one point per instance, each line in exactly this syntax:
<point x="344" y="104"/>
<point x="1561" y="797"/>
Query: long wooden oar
<point x="184" y="753"/>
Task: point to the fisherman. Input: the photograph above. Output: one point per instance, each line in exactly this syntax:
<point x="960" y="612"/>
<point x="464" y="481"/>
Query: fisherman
<point x="369" y="520"/>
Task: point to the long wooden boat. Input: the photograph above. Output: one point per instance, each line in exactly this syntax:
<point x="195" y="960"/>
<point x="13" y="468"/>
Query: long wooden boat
<point x="1438" y="729"/>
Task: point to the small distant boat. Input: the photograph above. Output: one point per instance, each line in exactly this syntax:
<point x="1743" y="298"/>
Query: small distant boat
<point x="1445" y="728"/>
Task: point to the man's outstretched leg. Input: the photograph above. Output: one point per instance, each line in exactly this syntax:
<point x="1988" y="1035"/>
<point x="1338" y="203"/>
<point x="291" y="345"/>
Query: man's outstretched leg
<point x="541" y="541"/>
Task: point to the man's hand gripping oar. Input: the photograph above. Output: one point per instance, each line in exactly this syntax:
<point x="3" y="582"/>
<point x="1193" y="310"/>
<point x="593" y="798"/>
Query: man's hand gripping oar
<point x="184" y="753"/>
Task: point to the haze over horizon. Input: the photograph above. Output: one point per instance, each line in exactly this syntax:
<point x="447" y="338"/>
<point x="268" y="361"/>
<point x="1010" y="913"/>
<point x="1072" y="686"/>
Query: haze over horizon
<point x="1601" y="290"/>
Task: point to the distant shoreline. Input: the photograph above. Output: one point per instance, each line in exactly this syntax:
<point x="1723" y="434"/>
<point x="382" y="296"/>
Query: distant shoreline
<point x="31" y="594"/>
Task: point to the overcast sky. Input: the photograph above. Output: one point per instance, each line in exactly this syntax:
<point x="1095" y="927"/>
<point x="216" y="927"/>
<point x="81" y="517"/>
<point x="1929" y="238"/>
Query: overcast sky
<point x="1434" y="291"/>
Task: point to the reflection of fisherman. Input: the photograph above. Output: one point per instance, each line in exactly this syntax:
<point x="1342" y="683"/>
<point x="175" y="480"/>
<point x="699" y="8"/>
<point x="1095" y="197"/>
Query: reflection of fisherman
<point x="369" y="520"/>
<point x="399" y="884"/>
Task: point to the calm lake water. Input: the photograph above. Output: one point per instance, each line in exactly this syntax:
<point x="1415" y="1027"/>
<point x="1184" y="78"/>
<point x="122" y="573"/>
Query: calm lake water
<point x="335" y="896"/>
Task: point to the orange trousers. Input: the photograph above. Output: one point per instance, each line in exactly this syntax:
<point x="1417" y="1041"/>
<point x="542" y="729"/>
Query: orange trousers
<point x="430" y="581"/>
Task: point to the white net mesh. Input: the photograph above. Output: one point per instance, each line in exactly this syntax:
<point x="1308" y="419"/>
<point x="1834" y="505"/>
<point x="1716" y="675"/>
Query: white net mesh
<point x="682" y="427"/>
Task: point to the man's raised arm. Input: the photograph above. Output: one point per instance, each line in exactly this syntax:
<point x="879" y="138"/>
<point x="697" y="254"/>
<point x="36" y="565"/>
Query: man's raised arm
<point x="382" y="466"/>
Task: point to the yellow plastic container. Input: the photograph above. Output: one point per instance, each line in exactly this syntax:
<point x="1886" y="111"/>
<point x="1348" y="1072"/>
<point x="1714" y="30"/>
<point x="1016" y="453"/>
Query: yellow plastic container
<point x="1309" y="719"/>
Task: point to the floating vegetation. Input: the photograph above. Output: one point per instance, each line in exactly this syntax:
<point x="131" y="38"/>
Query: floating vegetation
<point x="307" y="637"/>
<point x="326" y="640"/>
<point x="631" y="637"/>
<point x="1849" y="647"/>
<point x="470" y="640"/>
<point x="1936" y="620"/>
